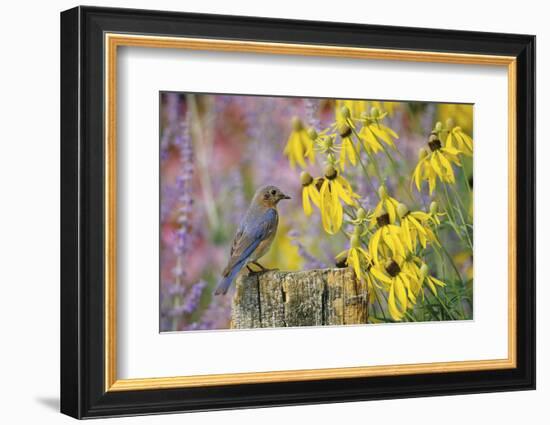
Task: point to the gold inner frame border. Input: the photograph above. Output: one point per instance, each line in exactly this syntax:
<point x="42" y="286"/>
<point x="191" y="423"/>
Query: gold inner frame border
<point x="113" y="40"/>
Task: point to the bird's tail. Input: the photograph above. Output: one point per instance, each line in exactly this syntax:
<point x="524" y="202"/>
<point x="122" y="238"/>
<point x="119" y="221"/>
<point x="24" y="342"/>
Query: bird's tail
<point x="226" y="282"/>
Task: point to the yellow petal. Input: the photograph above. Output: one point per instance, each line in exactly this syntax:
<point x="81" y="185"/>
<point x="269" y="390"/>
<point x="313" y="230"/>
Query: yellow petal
<point x="432" y="182"/>
<point x="437" y="281"/>
<point x="341" y="186"/>
<point x="391" y="209"/>
<point x="406" y="232"/>
<point x="308" y="146"/>
<point x="435" y="164"/>
<point x="381" y="133"/>
<point x="338" y="216"/>
<point x="448" y="168"/>
<point x="389" y="131"/>
<point x="353" y="260"/>
<point x="351" y="152"/>
<point x="417" y="174"/>
<point x="418" y="226"/>
<point x="374" y="244"/>
<point x="395" y="235"/>
<point x="343" y="159"/>
<point x="369" y="140"/>
<point x="392" y="307"/>
<point x="314" y="194"/>
<point x="400" y="292"/>
<point x="305" y="202"/>
<point x="449" y="142"/>
<point x="326" y="211"/>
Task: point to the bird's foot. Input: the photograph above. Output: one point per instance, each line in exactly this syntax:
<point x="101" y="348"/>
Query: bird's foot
<point x="263" y="269"/>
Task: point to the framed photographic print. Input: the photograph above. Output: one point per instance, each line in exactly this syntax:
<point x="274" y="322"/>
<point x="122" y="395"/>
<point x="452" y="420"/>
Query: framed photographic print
<point x="261" y="212"/>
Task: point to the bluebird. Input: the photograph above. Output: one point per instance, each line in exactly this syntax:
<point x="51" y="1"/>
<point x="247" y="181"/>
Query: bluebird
<point x="254" y="235"/>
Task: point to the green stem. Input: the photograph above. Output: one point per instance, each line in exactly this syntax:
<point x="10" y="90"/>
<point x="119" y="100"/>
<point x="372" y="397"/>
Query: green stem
<point x="455" y="268"/>
<point x="449" y="208"/>
<point x="363" y="166"/>
<point x="458" y="198"/>
<point x="448" y="255"/>
<point x="371" y="158"/>
<point x="466" y="183"/>
<point x="410" y="317"/>
<point x="446" y="309"/>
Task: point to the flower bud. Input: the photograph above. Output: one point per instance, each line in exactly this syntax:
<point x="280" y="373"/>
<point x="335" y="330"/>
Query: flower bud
<point x="330" y="172"/>
<point x="450" y="123"/>
<point x="312" y="133"/>
<point x="374" y="112"/>
<point x="424" y="270"/>
<point x="382" y="192"/>
<point x="361" y="214"/>
<point x="297" y="124"/>
<point x="354" y="241"/>
<point x="434" y="208"/>
<point x="438" y="126"/>
<point x="402" y="210"/>
<point x="344" y="110"/>
<point x="306" y="178"/>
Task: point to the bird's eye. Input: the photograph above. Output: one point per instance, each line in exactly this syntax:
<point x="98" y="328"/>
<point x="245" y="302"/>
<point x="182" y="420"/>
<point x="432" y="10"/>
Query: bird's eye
<point x="273" y="192"/>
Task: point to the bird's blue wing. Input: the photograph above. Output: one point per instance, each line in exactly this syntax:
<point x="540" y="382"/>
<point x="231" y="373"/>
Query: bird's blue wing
<point x="251" y="234"/>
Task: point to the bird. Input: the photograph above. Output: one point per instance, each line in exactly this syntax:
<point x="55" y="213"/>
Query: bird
<point x="254" y="235"/>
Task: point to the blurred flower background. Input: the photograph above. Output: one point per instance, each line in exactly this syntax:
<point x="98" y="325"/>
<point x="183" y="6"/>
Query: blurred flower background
<point x="216" y="150"/>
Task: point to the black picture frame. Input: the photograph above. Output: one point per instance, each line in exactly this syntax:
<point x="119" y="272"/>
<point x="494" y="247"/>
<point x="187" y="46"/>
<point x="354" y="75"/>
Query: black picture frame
<point x="82" y="212"/>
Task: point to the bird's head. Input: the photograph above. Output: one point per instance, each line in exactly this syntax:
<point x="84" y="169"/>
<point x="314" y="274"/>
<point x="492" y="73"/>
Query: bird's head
<point x="269" y="196"/>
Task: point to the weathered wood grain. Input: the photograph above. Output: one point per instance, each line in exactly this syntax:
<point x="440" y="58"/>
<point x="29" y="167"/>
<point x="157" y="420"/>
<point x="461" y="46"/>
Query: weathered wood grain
<point x="307" y="298"/>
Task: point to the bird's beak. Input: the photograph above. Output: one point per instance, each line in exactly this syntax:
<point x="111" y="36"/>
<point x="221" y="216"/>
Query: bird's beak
<point x="283" y="196"/>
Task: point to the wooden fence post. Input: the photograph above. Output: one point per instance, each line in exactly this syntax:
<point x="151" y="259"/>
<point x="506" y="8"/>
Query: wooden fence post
<point x="306" y="298"/>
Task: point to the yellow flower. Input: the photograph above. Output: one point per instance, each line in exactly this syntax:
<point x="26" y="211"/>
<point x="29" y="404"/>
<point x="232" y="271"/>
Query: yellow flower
<point x="387" y="236"/>
<point x="299" y="145"/>
<point x="431" y="281"/>
<point x="419" y="270"/>
<point x="373" y="131"/>
<point x="354" y="107"/>
<point x="436" y="163"/>
<point x="388" y="107"/>
<point x="411" y="265"/>
<point x="323" y="143"/>
<point x="361" y="217"/>
<point x="359" y="259"/>
<point x="309" y="193"/>
<point x="333" y="188"/>
<point x="347" y="153"/>
<point x="457" y="139"/>
<point x="386" y="203"/>
<point x="413" y="226"/>
<point x="344" y="127"/>
<point x="399" y="283"/>
<point x="435" y="214"/>
<point x="462" y="114"/>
